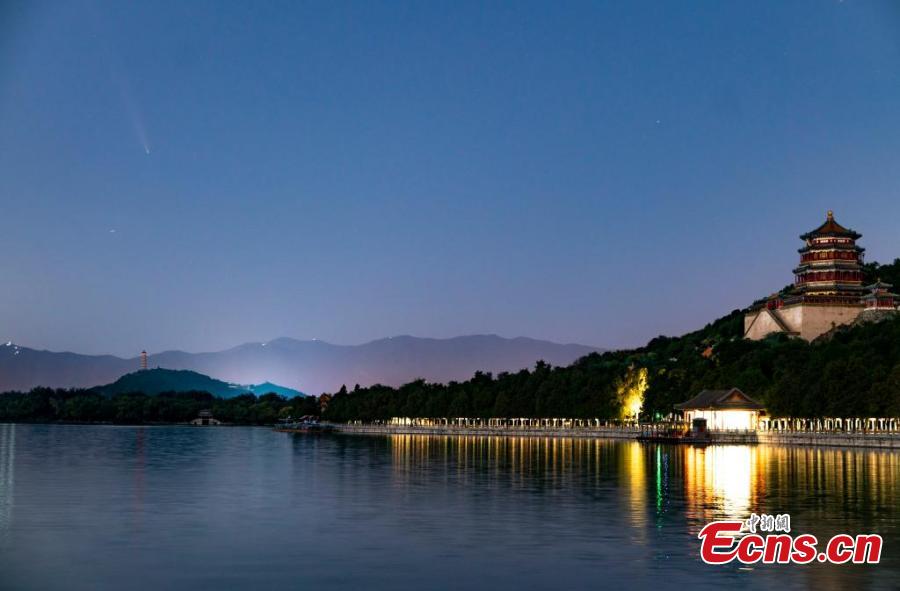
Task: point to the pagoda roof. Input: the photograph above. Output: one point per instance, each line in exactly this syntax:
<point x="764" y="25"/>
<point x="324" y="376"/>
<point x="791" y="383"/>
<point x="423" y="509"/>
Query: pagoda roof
<point x="879" y="290"/>
<point x="878" y="296"/>
<point x="732" y="399"/>
<point x="830" y="228"/>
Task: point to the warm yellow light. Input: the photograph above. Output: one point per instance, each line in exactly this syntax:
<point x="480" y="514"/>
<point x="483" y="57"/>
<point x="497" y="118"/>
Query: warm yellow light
<point x="719" y="420"/>
<point x="729" y="469"/>
<point x="630" y="391"/>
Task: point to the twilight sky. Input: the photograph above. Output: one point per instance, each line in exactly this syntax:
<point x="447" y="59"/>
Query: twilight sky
<point x="195" y="175"/>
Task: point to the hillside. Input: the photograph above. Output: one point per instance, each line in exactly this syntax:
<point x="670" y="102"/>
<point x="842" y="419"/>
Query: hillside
<point x="157" y="381"/>
<point x="270" y="388"/>
<point x="854" y="372"/>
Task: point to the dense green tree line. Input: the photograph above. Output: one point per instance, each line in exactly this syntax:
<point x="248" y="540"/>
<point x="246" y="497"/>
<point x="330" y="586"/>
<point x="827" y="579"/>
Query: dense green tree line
<point x="855" y="373"/>
<point x="76" y="405"/>
<point x="889" y="273"/>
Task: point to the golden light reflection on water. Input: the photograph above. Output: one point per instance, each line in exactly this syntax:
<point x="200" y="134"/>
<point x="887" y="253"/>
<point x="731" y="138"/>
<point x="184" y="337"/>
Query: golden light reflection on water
<point x="634" y="473"/>
<point x="715" y="482"/>
<point x="518" y="459"/>
<point x="721" y="480"/>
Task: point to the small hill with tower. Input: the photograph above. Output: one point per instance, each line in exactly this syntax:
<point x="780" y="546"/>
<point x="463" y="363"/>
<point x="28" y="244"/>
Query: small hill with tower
<point x="829" y="289"/>
<point x="157" y="381"/>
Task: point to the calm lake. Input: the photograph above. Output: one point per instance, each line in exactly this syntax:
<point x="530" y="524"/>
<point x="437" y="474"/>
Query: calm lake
<point x="86" y="507"/>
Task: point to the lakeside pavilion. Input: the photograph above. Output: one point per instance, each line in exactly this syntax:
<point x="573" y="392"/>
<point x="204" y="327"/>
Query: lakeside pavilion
<point x="205" y="419"/>
<point x="724" y="410"/>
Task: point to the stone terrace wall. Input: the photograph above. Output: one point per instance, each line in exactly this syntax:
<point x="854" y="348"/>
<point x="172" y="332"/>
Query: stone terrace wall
<point x="880" y="440"/>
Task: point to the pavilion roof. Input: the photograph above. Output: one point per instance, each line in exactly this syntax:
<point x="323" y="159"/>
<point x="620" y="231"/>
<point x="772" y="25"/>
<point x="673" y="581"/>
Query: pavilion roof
<point x="875" y="295"/>
<point x="830" y="228"/>
<point x="732" y="399"/>
<point x="879" y="285"/>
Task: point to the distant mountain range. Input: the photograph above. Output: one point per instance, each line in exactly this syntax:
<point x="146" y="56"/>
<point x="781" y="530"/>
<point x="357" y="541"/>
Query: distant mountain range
<point x="155" y="381"/>
<point x="310" y="366"/>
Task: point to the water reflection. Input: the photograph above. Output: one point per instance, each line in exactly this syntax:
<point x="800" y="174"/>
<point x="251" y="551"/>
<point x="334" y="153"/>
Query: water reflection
<point x="660" y="496"/>
<point x="634" y="472"/>
<point x="705" y="483"/>
<point x="7" y="472"/>
<point x="721" y="481"/>
<point x="139" y="470"/>
<point x="126" y="508"/>
<point x="517" y="460"/>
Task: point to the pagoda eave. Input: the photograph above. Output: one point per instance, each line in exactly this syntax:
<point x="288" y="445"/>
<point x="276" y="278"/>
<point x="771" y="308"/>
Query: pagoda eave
<point x="848" y="234"/>
<point x="836" y="246"/>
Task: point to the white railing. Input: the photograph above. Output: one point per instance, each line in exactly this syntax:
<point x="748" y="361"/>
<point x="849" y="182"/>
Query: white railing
<point x="766" y="424"/>
<point x="830" y="425"/>
<point x="510" y="423"/>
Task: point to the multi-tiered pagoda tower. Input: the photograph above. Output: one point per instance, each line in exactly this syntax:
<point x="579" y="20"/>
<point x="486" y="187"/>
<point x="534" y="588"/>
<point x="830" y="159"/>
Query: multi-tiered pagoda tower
<point x="827" y="292"/>
<point x="830" y="270"/>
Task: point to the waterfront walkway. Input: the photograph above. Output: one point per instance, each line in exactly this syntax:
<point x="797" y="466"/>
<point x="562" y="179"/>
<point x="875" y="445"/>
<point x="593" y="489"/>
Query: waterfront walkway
<point x="811" y="434"/>
<point x="610" y="432"/>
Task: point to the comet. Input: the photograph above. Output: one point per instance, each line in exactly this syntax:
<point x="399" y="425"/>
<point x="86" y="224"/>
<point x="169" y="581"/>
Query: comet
<point x="117" y="73"/>
<point x="134" y="113"/>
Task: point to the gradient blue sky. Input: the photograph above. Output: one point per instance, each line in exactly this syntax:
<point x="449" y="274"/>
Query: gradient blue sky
<point x="598" y="173"/>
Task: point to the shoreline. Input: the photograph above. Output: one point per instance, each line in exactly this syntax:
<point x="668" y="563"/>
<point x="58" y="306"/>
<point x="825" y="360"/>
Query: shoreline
<point x="811" y="439"/>
<point x="114" y="424"/>
<point x="884" y="441"/>
<point x="598" y="433"/>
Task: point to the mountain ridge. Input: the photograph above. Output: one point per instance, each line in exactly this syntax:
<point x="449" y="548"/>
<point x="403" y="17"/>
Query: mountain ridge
<point x="310" y="366"/>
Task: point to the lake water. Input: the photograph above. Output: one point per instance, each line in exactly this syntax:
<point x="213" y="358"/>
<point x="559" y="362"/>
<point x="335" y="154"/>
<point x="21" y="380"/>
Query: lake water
<point x="86" y="507"/>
